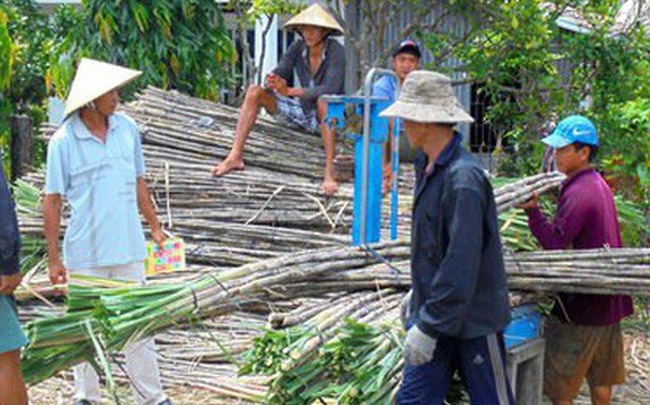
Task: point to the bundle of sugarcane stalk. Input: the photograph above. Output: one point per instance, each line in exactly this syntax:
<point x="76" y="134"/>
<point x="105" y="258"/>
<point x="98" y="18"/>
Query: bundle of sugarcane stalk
<point x="507" y="196"/>
<point x="263" y="220"/>
<point x="115" y="313"/>
<point x="597" y="271"/>
<point x="299" y="360"/>
<point x="358" y="360"/>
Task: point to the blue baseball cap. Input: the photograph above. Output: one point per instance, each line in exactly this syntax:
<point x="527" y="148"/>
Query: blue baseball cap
<point x="574" y="128"/>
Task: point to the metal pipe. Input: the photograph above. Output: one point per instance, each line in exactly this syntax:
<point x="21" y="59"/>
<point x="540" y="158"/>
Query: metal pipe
<point x="395" y="194"/>
<point x="394" y="203"/>
<point x="367" y="90"/>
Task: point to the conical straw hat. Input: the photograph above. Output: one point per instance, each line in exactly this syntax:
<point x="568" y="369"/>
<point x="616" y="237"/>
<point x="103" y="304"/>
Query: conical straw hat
<point x="316" y="16"/>
<point x="93" y="79"/>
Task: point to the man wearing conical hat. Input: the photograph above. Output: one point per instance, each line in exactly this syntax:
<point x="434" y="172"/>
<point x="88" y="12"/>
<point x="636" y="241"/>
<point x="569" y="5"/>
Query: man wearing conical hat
<point x="95" y="161"/>
<point x="318" y="61"/>
<point x="459" y="304"/>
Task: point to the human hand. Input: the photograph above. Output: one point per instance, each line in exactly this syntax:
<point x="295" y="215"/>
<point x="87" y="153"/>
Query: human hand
<point x="272" y="81"/>
<point x="57" y="272"/>
<point x="159" y="237"/>
<point x="9" y="283"/>
<point x="418" y="347"/>
<point x="269" y="81"/>
<point x="280" y="85"/>
<point x="530" y="204"/>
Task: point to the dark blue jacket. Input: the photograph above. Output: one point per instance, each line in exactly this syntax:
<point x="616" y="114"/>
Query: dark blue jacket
<point x="9" y="235"/>
<point x="457" y="270"/>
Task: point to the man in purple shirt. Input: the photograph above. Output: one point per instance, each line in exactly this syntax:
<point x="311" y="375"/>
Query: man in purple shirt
<point x="584" y="337"/>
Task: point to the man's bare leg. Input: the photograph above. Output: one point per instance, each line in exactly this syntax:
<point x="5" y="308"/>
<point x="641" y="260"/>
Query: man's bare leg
<point x="12" y="385"/>
<point x="330" y="185"/>
<point x="256" y="97"/>
<point x="601" y="395"/>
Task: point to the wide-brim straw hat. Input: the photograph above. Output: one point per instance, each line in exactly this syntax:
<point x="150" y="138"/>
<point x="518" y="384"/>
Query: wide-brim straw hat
<point x="427" y="97"/>
<point x="94" y="79"/>
<point x="316" y="16"/>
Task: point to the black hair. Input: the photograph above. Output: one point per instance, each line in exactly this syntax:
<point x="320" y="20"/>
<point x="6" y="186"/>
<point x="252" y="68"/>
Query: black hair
<point x="593" y="150"/>
<point x="409" y="50"/>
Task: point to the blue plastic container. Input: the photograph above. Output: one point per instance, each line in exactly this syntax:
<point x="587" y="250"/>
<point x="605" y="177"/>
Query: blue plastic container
<point x="525" y="325"/>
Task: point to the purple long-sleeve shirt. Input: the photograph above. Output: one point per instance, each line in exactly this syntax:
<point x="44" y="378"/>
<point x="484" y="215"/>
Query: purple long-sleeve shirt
<point x="586" y="218"/>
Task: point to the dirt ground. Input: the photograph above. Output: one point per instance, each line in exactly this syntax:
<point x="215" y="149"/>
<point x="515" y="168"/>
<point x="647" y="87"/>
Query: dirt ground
<point x="59" y="390"/>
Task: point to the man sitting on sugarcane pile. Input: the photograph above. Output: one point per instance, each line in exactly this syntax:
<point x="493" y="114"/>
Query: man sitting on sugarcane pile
<point x="584" y="336"/>
<point x="459" y="304"/>
<point x="12" y="338"/>
<point x="95" y="160"/>
<point x="318" y="61"/>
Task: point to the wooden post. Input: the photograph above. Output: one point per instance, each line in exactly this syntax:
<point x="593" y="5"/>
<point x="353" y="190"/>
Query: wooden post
<point x="22" y="145"/>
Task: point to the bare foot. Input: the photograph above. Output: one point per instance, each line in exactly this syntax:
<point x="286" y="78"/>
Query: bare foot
<point x="227" y="165"/>
<point x="330" y="186"/>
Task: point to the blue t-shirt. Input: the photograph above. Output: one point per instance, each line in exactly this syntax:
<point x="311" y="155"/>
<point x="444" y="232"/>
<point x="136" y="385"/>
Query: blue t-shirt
<point x="386" y="86"/>
<point x="99" y="180"/>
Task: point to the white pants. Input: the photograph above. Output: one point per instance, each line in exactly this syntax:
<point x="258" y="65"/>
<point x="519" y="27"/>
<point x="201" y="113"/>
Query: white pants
<point x="141" y="361"/>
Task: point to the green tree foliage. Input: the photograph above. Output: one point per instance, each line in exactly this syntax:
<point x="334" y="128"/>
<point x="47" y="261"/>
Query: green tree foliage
<point x="33" y="37"/>
<point x="246" y="14"/>
<point x="6" y="52"/>
<point x="6" y="62"/>
<point x="530" y="68"/>
<point x="616" y="73"/>
<point x="178" y="44"/>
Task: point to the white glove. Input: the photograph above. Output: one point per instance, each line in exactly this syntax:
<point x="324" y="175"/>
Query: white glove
<point x="405" y="308"/>
<point x="418" y="347"/>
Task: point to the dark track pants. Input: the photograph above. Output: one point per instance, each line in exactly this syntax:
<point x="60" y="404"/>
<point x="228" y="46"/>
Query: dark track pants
<point x="481" y="365"/>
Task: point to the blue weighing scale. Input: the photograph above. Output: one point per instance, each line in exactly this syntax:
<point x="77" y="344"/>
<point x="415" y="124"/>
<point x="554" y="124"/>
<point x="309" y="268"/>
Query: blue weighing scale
<point x="368" y="152"/>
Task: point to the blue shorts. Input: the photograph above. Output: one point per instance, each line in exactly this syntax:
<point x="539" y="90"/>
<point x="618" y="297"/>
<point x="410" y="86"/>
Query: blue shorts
<point x="291" y="113"/>
<point x="11" y="334"/>
<point x="480" y="362"/>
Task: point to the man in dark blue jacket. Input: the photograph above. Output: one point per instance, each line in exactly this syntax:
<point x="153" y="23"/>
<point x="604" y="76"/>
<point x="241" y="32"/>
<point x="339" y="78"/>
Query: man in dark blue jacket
<point x="459" y="303"/>
<point x="12" y="386"/>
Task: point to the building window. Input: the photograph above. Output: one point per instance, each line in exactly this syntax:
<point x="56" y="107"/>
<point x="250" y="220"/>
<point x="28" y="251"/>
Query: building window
<point x="482" y="136"/>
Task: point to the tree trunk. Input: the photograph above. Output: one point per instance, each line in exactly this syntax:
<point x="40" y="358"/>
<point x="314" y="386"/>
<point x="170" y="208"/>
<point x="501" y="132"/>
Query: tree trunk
<point x="22" y="145"/>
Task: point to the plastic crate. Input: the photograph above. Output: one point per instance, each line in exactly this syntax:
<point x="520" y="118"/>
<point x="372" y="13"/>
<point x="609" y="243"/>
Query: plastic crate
<point x="524" y="326"/>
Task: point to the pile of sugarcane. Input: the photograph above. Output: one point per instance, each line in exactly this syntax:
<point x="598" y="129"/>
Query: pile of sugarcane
<point x="287" y="241"/>
<point x="273" y="207"/>
<point x="226" y="232"/>
<point x="186" y="124"/>
<point x="230" y="226"/>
